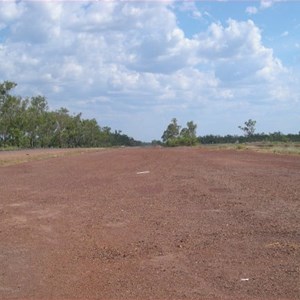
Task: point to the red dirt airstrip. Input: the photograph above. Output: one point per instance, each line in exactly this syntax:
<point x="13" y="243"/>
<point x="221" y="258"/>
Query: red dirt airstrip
<point x="155" y="223"/>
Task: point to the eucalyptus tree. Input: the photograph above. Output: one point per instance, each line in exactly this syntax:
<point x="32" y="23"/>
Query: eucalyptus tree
<point x="249" y="128"/>
<point x="172" y="132"/>
<point x="187" y="136"/>
<point x="37" y="127"/>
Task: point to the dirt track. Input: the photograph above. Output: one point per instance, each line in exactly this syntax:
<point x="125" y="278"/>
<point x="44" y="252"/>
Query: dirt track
<point x="199" y="225"/>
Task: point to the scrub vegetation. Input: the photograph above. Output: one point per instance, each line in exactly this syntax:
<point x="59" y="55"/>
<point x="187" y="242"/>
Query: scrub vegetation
<point x="28" y="123"/>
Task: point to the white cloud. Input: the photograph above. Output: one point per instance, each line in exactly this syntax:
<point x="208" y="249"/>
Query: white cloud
<point x="266" y="3"/>
<point x="119" y="58"/>
<point x="197" y="14"/>
<point x="285" y="33"/>
<point x="10" y="11"/>
<point x="251" y="10"/>
<point x="237" y="53"/>
<point x="190" y="6"/>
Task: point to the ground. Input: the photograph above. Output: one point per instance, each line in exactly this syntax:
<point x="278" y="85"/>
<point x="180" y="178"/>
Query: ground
<point x="150" y="223"/>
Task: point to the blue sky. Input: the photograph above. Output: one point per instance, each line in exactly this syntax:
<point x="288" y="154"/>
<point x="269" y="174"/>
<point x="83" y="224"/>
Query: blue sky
<point x="134" y="65"/>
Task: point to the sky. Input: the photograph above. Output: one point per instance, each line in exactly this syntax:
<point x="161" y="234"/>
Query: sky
<point x="135" y="65"/>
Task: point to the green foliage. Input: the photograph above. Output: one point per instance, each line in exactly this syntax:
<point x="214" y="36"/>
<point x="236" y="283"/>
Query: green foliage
<point x="249" y="127"/>
<point x="173" y="136"/>
<point x="28" y="123"/>
<point x="172" y="131"/>
<point x="156" y="143"/>
<point x="258" y="137"/>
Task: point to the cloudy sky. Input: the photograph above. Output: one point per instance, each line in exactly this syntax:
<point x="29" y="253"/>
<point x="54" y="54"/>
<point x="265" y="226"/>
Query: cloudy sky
<point x="134" y="65"/>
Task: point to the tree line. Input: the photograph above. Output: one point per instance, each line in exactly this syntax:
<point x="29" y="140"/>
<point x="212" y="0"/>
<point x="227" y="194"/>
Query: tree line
<point x="257" y="137"/>
<point x="175" y="136"/>
<point x="28" y="123"/>
<point x="250" y="136"/>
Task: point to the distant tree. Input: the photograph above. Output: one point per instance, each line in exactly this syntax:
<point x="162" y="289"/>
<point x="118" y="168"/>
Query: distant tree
<point x="156" y="143"/>
<point x="173" y="136"/>
<point x="5" y="87"/>
<point x="90" y="133"/>
<point x="249" y="128"/>
<point x="35" y="120"/>
<point x="172" y="131"/>
<point x="106" y="136"/>
<point x="28" y="123"/>
<point x="189" y="131"/>
<point x="188" y="135"/>
<point x="11" y="116"/>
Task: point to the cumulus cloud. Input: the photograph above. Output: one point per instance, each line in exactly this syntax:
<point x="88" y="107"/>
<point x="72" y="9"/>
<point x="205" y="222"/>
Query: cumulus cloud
<point x="114" y="58"/>
<point x="266" y="4"/>
<point x="9" y="11"/>
<point x="251" y="10"/>
<point x="237" y="52"/>
<point x="190" y="6"/>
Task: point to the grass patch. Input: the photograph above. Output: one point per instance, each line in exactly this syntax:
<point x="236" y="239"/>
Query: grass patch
<point x="266" y="147"/>
<point x="23" y="156"/>
<point x="8" y="148"/>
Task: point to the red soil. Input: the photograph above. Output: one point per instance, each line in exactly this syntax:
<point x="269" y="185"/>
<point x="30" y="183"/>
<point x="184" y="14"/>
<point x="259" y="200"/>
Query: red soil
<point x="199" y="225"/>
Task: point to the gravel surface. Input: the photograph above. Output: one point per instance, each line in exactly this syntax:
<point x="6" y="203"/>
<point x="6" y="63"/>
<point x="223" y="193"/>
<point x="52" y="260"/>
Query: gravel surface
<point x="156" y="223"/>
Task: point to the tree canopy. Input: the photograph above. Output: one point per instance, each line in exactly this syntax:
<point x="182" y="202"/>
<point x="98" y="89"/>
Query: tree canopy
<point x="173" y="136"/>
<point x="249" y="128"/>
<point x="28" y="123"/>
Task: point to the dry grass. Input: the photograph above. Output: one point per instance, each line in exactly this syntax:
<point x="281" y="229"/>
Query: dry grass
<point x="8" y="158"/>
<point x="277" y="148"/>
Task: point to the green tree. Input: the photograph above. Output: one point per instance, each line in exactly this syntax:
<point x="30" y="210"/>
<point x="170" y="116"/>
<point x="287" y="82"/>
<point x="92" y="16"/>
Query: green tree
<point x="47" y="129"/>
<point x="90" y="133"/>
<point x="12" y="109"/>
<point x="29" y="123"/>
<point x="5" y="87"/>
<point x="106" y="137"/>
<point x="172" y="131"/>
<point x="11" y="122"/>
<point x="189" y="131"/>
<point x="156" y="143"/>
<point x="8" y="104"/>
<point x="36" y="121"/>
<point x="187" y="136"/>
<point x="249" y="128"/>
<point x="62" y="126"/>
